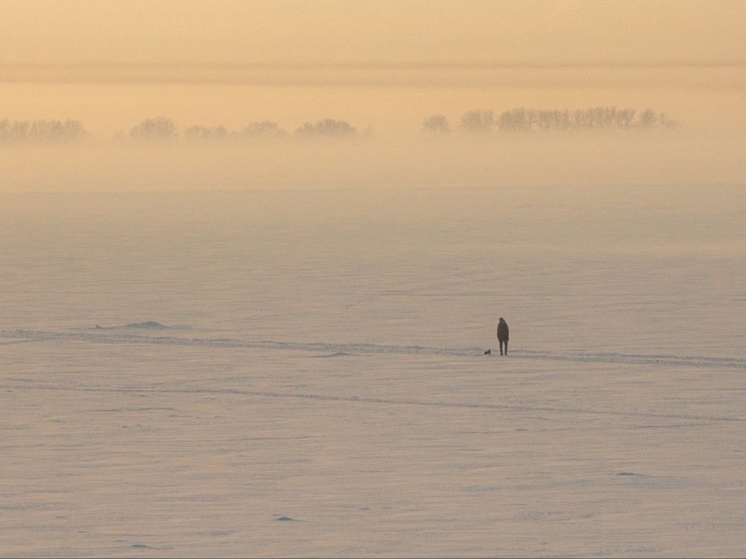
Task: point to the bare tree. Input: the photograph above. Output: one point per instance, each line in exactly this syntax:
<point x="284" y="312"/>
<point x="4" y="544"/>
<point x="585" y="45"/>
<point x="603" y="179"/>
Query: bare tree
<point x="436" y="124"/>
<point x="666" y="122"/>
<point x="41" y="131"/>
<point x="327" y="127"/>
<point x="13" y="130"/>
<point x="625" y="117"/>
<point x="648" y="119"/>
<point x="514" y="119"/>
<point x="596" y="118"/>
<point x="264" y="129"/>
<point x="159" y="129"/>
<point x="478" y="121"/>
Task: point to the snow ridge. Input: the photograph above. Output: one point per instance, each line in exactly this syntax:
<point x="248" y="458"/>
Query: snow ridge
<point x="114" y="336"/>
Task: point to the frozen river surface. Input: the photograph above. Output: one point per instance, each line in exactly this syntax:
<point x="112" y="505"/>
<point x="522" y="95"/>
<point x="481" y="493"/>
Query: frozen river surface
<point x="302" y="373"/>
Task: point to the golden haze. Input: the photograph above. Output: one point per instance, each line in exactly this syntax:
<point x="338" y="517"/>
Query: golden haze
<point x="383" y="67"/>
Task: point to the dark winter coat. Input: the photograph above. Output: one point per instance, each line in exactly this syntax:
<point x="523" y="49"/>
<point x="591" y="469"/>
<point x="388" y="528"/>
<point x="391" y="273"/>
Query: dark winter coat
<point x="503" y="333"/>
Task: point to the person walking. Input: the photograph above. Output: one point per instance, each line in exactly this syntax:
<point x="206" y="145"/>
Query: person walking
<point x="503" y="335"/>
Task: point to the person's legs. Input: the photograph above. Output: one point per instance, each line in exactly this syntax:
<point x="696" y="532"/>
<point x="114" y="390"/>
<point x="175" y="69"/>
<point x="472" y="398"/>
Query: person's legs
<point x="506" y="347"/>
<point x="501" y="346"/>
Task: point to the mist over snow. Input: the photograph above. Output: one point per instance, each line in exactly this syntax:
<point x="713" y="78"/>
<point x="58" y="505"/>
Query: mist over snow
<point x="301" y="372"/>
<point x="452" y="160"/>
<point x="253" y="257"/>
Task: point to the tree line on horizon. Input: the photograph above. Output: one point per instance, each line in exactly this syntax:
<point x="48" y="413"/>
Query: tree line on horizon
<point x="163" y="129"/>
<point x="41" y="131"/>
<point x="533" y="120"/>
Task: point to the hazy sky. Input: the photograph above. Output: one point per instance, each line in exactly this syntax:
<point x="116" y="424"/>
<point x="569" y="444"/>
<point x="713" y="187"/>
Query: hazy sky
<point x="403" y="31"/>
<point x="513" y="48"/>
<point x="386" y="65"/>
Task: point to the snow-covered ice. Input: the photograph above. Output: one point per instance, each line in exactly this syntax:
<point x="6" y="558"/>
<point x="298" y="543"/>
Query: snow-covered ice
<point x="303" y="373"/>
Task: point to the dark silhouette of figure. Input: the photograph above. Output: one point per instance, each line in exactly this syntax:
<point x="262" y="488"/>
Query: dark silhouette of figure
<point x="503" y="335"/>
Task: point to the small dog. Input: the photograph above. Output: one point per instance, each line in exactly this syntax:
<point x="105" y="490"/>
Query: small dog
<point x="488" y="352"/>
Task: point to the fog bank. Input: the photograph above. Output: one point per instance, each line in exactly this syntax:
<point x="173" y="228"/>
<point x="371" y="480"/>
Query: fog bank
<point x="452" y="161"/>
